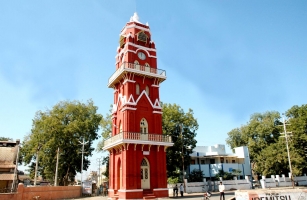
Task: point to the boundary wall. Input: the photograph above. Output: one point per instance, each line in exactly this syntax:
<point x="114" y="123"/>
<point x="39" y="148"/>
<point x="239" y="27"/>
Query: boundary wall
<point x="277" y="181"/>
<point x="43" y="192"/>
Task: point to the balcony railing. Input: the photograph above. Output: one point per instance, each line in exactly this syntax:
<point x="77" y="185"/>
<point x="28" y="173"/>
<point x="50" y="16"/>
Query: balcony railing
<point x="132" y="67"/>
<point x="133" y="137"/>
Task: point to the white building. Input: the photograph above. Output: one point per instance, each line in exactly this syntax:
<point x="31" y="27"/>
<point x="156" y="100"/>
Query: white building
<point x="211" y="159"/>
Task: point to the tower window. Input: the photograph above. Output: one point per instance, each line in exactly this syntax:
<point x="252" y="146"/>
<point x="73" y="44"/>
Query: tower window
<point x="143" y="126"/>
<point x="137" y="89"/>
<point x="147" y="90"/>
<point x="136" y="65"/>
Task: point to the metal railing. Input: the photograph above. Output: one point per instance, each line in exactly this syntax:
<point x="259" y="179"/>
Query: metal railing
<point x="137" y="137"/>
<point x="140" y="68"/>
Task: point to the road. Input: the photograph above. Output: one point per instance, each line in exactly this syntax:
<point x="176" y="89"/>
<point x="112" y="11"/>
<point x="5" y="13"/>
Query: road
<point x="214" y="196"/>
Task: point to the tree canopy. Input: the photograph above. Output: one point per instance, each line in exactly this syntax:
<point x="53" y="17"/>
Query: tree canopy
<point x="267" y="149"/>
<point x="182" y="127"/>
<point x="5" y="138"/>
<point x="63" y="127"/>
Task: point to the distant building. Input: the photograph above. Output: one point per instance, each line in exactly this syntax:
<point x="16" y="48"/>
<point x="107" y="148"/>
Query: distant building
<point x="93" y="177"/>
<point x="211" y="159"/>
<point x="8" y="169"/>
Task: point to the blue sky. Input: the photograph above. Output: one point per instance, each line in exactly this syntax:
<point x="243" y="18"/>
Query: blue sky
<point x="224" y="59"/>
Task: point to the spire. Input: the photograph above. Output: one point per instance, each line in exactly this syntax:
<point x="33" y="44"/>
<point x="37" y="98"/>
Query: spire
<point x="135" y="18"/>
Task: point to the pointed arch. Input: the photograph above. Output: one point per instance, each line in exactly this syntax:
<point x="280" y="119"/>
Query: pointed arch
<point x="145" y="173"/>
<point x="143" y="126"/>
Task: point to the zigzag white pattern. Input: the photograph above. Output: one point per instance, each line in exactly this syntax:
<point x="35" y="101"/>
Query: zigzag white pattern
<point x="132" y="102"/>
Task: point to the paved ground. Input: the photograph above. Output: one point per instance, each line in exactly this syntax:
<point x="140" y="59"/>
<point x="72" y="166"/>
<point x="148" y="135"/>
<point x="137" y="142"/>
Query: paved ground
<point x="215" y="196"/>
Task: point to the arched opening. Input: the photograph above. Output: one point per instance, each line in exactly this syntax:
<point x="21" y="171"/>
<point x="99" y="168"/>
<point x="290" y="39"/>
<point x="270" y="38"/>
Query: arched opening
<point x="147" y="67"/>
<point x="147" y="90"/>
<point x="136" y="65"/>
<point x="119" y="175"/>
<point x="145" y="174"/>
<point x="143" y="126"/>
<point x="137" y="89"/>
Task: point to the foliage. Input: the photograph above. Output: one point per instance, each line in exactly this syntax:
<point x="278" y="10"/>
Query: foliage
<point x="297" y="116"/>
<point x="173" y="180"/>
<point x="196" y="176"/>
<point x="106" y="161"/>
<point x="106" y="129"/>
<point x="182" y="127"/>
<point x="64" y="126"/>
<point x="5" y="139"/>
<point x="267" y="149"/>
<point x="224" y="175"/>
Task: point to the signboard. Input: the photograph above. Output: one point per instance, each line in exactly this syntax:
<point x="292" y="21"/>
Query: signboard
<point x="145" y="152"/>
<point x="87" y="187"/>
<point x="282" y="194"/>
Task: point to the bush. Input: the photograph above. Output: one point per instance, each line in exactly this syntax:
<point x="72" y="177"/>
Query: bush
<point x="173" y="180"/>
<point x="196" y="176"/>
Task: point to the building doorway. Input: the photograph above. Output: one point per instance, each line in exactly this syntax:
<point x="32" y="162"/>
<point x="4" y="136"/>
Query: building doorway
<point x="145" y="174"/>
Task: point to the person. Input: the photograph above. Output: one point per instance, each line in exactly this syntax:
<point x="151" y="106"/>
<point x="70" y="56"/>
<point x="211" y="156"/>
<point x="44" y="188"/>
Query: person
<point x="106" y="189"/>
<point x="175" y="190"/>
<point x="207" y="195"/>
<point x="181" y="190"/>
<point x="221" y="189"/>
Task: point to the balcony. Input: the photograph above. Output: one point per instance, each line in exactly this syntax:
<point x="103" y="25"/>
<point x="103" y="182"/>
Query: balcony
<point x="137" y="138"/>
<point x="137" y="69"/>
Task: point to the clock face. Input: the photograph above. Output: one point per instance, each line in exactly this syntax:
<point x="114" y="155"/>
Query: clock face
<point x="141" y="55"/>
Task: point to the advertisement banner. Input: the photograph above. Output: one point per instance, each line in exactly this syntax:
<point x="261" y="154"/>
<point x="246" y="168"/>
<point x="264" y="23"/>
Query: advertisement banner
<point x="87" y="187"/>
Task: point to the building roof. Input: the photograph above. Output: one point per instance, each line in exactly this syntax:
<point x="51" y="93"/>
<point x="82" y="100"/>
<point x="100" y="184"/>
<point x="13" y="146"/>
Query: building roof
<point x="8" y="156"/>
<point x="6" y="176"/>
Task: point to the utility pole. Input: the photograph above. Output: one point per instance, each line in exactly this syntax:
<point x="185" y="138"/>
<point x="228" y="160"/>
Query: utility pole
<point x="99" y="179"/>
<point x="287" y="135"/>
<point x="181" y="133"/>
<point x="15" y="170"/>
<point x="56" y="168"/>
<point x="82" y="143"/>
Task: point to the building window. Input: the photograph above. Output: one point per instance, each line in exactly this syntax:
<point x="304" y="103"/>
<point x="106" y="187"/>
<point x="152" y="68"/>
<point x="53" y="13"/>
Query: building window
<point x="222" y="160"/>
<point x="192" y="162"/>
<point x="202" y="162"/>
<point x="136" y="65"/>
<point x="137" y="89"/>
<point x="212" y="161"/>
<point x="143" y="126"/>
<point x="233" y="161"/>
<point x="147" y="90"/>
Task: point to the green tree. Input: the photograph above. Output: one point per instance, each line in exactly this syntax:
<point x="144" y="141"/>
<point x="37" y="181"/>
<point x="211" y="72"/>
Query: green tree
<point x="297" y="120"/>
<point x="106" y="161"/>
<point x="5" y="139"/>
<point x="182" y="127"/>
<point x="224" y="175"/>
<point x="267" y="149"/>
<point x="236" y="172"/>
<point x="196" y="176"/>
<point x="106" y="129"/>
<point x="63" y="127"/>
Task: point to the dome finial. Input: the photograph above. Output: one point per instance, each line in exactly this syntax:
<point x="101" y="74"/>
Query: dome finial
<point x="135" y="18"/>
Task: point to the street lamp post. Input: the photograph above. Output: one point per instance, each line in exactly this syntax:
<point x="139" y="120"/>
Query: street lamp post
<point x="287" y="144"/>
<point x="83" y="143"/>
<point x="182" y="155"/>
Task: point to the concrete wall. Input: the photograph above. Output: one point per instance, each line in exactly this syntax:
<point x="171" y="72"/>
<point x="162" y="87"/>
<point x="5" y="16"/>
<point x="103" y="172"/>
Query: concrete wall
<point x="277" y="181"/>
<point x="44" y="192"/>
<point x="199" y="187"/>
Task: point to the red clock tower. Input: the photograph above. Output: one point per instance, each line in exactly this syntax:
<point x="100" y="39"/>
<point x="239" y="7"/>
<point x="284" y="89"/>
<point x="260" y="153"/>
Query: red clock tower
<point x="137" y="146"/>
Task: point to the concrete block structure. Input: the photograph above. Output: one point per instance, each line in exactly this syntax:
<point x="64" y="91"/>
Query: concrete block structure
<point x="211" y="159"/>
